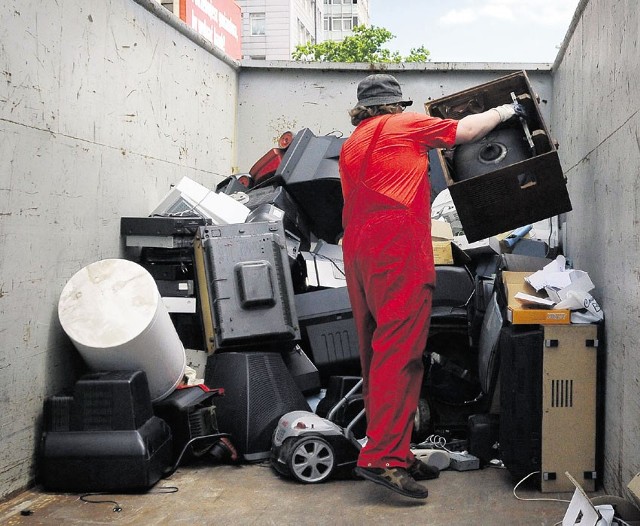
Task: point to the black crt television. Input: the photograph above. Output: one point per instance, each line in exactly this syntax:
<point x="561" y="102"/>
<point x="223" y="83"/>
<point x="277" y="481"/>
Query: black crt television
<point x="309" y="170"/>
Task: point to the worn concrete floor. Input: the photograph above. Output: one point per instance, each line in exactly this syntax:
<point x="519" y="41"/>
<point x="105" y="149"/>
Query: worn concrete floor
<point x="252" y="494"/>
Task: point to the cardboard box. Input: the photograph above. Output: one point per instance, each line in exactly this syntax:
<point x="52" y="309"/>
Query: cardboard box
<point x="523" y="187"/>
<point x="441" y="238"/>
<point x="581" y="510"/>
<point x="517" y="314"/>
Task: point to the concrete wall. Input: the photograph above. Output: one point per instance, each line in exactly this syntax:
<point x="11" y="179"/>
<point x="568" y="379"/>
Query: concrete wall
<point x="103" y="106"/>
<point x="275" y="97"/>
<point x="596" y="101"/>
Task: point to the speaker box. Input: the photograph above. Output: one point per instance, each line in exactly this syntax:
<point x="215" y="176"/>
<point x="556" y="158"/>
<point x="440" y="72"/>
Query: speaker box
<point x="497" y="149"/>
<point x="493" y="188"/>
<point x="259" y="389"/>
<point x="548" y="389"/>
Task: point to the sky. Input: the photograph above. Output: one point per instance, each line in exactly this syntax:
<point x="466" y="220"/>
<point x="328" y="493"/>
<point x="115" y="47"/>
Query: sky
<point x="476" y="30"/>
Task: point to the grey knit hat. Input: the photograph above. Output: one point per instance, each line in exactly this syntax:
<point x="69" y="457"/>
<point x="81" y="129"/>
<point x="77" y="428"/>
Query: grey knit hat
<point x="379" y="89"/>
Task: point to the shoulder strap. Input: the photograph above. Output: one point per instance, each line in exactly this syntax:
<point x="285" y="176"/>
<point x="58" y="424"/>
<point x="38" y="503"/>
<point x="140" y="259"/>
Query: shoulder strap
<point x="374" y="140"/>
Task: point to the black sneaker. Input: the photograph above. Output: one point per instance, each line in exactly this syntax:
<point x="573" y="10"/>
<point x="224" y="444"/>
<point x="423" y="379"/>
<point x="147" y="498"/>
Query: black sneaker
<point x="396" y="479"/>
<point x="421" y="471"/>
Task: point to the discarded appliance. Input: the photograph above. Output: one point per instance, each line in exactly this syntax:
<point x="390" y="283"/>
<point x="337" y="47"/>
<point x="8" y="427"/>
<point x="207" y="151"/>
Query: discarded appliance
<point x="548" y="403"/>
<point x="310" y="449"/>
<point x="512" y="177"/>
<point x="309" y="170"/>
<point x="189" y="198"/>
<point x="245" y="287"/>
<point x="115" y="317"/>
<point x="105" y="437"/>
<point x="328" y="331"/>
<point x="191" y="415"/>
<point x="258" y="390"/>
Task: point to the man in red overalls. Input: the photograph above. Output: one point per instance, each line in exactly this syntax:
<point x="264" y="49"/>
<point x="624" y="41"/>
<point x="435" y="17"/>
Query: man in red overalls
<point x="389" y="264"/>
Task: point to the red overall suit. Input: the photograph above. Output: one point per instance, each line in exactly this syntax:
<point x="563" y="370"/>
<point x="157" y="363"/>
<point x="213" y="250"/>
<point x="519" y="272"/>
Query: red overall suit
<point x="389" y="268"/>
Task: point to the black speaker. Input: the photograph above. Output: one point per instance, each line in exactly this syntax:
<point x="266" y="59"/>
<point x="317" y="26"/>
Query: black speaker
<point x="521" y="398"/>
<point x="258" y="390"/>
<point x="500" y="148"/>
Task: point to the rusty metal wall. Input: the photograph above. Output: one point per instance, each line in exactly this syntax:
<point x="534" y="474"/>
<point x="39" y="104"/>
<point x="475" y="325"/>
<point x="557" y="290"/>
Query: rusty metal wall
<point x="596" y="114"/>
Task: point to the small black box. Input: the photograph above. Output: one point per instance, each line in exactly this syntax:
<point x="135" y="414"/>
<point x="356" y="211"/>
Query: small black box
<point x="328" y="330"/>
<point x="190" y="413"/>
<point x="105" y="437"/>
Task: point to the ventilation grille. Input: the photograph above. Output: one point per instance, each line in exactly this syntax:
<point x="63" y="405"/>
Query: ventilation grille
<point x="562" y="393"/>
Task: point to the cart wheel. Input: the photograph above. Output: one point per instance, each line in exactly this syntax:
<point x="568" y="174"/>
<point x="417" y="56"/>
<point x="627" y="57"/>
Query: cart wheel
<point x="312" y="460"/>
<point x="421" y="422"/>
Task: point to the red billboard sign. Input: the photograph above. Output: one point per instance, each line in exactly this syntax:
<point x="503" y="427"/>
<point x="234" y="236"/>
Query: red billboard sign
<point x="219" y="21"/>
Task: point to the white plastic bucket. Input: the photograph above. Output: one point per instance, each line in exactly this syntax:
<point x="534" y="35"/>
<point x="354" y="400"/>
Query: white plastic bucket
<point x="114" y="315"/>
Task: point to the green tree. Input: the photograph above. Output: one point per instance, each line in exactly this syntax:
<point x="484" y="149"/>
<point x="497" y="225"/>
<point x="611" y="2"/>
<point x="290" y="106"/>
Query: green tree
<point x="365" y="45"/>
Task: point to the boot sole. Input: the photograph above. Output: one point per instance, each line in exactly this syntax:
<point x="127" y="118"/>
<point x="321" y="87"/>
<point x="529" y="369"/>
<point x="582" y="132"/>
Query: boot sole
<point x="377" y="479"/>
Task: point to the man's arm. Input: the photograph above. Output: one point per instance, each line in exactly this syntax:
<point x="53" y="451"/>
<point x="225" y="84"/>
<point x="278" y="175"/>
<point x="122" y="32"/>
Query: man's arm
<point x="473" y="127"/>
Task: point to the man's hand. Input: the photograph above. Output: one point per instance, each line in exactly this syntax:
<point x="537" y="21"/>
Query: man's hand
<point x="507" y="111"/>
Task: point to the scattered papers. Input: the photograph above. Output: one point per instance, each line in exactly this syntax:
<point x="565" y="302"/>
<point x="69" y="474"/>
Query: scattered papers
<point x="528" y="299"/>
<point x="566" y="289"/>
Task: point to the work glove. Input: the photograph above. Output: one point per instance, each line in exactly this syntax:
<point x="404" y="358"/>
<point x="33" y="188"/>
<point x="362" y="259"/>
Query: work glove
<point x="507" y="111"/>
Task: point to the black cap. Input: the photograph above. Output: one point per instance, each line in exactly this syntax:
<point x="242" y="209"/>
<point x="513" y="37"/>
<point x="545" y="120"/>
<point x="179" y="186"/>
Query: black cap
<point x="380" y="89"/>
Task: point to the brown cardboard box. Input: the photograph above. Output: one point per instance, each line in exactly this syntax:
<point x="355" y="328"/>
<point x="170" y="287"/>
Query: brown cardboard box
<point x="517" y="314"/>
<point x="441" y="238"/>
<point x="514" y="193"/>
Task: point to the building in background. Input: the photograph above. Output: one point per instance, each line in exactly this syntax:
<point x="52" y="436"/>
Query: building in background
<point x="271" y="29"/>
<point x="341" y="16"/>
<point x="218" y="21"/>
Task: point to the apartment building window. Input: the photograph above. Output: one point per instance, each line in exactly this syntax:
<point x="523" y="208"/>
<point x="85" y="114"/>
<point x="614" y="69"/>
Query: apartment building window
<point x="257" y="23"/>
<point x="340" y="24"/>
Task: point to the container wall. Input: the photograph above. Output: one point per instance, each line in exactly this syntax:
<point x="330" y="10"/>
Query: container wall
<point x="103" y="106"/>
<point x="287" y="96"/>
<point x="595" y="100"/>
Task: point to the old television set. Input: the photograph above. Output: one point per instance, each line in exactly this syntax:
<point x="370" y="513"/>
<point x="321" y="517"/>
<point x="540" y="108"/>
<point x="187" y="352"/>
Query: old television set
<point x="309" y="170"/>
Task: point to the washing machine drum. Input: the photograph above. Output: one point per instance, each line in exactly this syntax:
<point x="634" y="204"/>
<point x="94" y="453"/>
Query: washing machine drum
<point x="498" y="149"/>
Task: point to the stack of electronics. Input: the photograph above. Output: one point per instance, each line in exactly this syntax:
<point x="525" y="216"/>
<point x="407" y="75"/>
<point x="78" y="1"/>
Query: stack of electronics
<point x="263" y="264"/>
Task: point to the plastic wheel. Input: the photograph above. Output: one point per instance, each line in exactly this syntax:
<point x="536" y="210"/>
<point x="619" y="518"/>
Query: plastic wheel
<point x="312" y="460"/>
<point x="421" y="421"/>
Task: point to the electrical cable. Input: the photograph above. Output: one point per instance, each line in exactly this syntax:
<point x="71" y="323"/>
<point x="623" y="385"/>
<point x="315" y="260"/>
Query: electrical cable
<point x="171" y="470"/>
<point x="116" y="507"/>
<point x="536" y="499"/>
<point x="434" y="442"/>
<point x="322" y="256"/>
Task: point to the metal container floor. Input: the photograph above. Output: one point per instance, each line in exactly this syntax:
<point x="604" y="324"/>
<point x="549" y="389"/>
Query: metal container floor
<point x="253" y="494"/>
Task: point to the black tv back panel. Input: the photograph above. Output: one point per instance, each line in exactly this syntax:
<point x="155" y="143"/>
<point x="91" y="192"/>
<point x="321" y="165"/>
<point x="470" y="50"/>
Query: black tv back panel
<point x="259" y="389"/>
<point x="310" y="172"/>
<point x="249" y="283"/>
